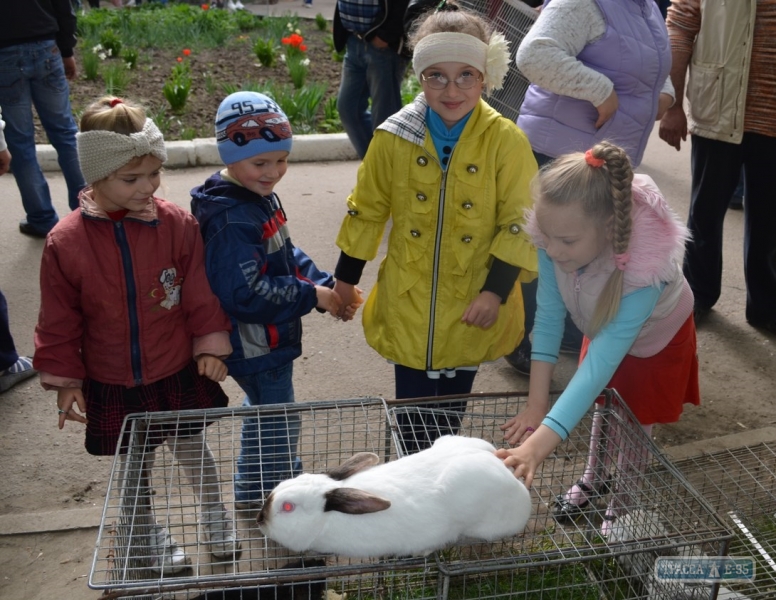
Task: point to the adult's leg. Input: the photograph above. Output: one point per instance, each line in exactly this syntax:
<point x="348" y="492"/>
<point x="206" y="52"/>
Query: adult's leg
<point x="51" y="97"/>
<point x="17" y="68"/>
<point x="385" y="72"/>
<point x="353" y="97"/>
<point x="268" y="444"/>
<point x="759" y="227"/>
<point x="716" y="167"/>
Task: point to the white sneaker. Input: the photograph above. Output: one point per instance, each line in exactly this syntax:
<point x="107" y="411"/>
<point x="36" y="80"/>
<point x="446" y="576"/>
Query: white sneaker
<point x="238" y="5"/>
<point x="231" y="5"/>
<point x="166" y="556"/>
<point x="219" y="532"/>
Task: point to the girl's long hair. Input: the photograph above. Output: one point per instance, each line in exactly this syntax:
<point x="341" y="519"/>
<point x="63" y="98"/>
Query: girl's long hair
<point x="605" y="196"/>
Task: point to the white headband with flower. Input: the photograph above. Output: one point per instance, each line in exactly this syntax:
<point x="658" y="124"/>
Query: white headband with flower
<point x="491" y="59"/>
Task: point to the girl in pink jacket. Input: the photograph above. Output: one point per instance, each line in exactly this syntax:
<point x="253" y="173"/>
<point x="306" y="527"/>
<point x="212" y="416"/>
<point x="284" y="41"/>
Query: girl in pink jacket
<point x="610" y="253"/>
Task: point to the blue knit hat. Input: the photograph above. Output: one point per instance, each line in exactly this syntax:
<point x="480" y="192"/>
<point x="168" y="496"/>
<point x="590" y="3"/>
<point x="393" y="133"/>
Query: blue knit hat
<point x="249" y="123"/>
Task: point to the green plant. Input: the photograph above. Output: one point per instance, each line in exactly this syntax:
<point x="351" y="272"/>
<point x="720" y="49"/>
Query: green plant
<point x="320" y="22"/>
<point x="116" y="78"/>
<point x="91" y="65"/>
<point x="130" y="56"/>
<point x="298" y="67"/>
<point x="331" y="120"/>
<point x="111" y="41"/>
<point x="410" y="88"/>
<point x="210" y="85"/>
<point x="177" y="87"/>
<point x="266" y="51"/>
<point x="335" y="55"/>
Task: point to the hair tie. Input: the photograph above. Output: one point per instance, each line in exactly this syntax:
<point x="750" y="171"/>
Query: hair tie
<point x="621" y="260"/>
<point x="116" y="101"/>
<point x="594" y="161"/>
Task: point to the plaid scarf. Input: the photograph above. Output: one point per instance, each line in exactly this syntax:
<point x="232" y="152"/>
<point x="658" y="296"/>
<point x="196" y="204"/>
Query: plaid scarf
<point x="410" y="122"/>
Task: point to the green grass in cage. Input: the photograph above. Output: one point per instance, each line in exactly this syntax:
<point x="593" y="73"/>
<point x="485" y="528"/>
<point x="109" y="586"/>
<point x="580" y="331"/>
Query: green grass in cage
<point x="560" y="582"/>
<point x="763" y="529"/>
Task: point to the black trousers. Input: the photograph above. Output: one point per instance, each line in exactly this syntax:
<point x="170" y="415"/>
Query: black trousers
<point x="716" y="166"/>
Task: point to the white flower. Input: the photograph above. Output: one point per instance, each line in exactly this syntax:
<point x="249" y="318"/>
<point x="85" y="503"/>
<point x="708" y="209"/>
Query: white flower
<point x="306" y="62"/>
<point x="109" y="52"/>
<point x="102" y="56"/>
<point x="97" y="48"/>
<point x="289" y="26"/>
<point x="496" y="62"/>
<point x="282" y="58"/>
<point x="298" y="31"/>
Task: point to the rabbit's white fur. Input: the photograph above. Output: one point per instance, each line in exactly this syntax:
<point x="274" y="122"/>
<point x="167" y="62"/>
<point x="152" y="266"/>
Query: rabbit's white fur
<point x="410" y="506"/>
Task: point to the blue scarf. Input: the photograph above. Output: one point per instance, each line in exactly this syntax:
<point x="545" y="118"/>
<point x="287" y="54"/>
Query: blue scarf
<point x="444" y="139"/>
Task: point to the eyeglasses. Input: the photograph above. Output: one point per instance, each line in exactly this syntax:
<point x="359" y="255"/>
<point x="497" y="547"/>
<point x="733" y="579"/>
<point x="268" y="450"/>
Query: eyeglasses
<point x="437" y="81"/>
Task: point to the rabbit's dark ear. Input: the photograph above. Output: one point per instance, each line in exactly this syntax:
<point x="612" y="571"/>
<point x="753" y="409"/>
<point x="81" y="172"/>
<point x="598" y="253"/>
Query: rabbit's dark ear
<point x="354" y="502"/>
<point x="357" y="462"/>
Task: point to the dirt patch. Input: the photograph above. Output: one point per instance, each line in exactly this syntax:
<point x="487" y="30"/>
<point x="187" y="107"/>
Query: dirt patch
<point x="212" y="69"/>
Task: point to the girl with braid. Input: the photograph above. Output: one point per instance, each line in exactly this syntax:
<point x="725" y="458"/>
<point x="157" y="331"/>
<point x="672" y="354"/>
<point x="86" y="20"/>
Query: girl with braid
<point x="610" y="253"/>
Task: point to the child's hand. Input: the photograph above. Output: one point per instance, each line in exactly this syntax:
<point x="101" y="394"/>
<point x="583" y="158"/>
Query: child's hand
<point x="518" y="428"/>
<point x="329" y="300"/>
<point x="526" y="458"/>
<point x="351" y="299"/>
<point x="211" y="367"/>
<point x="483" y="311"/>
<point x="67" y="401"/>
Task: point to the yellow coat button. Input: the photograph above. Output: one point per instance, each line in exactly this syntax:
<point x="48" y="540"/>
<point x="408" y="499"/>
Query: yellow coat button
<point x="415" y="233"/>
<point x="422" y="161"/>
<point x="420" y="196"/>
<point x="514" y="228"/>
<point x="472" y="169"/>
<point x="467" y="205"/>
<point x="466" y="239"/>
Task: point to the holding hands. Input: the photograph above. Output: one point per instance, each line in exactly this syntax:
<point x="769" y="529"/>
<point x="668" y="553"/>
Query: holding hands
<point x="352" y="299"/>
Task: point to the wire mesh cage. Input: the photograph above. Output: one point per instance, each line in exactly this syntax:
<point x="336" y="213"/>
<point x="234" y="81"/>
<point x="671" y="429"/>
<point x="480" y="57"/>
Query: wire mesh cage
<point x="158" y="490"/>
<point x="513" y="18"/>
<point x="657" y="513"/>
<point x="741" y="486"/>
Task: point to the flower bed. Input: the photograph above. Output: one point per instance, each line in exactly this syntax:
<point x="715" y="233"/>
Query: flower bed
<point x="195" y="56"/>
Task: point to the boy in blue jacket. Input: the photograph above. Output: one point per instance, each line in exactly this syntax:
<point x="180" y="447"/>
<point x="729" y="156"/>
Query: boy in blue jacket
<point x="264" y="283"/>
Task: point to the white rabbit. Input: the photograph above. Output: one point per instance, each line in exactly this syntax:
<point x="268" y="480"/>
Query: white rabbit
<point x="410" y="506"/>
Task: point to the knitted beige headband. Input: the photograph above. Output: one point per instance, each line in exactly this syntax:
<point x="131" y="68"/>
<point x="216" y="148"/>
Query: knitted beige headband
<point x="101" y="152"/>
<point x="491" y="59"/>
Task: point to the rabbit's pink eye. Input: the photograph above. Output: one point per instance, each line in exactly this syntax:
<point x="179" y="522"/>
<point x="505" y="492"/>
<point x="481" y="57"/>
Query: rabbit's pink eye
<point x="288" y="506"/>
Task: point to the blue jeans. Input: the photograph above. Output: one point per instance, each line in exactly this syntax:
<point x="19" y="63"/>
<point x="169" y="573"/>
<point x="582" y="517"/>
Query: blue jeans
<point x="368" y="72"/>
<point x="268" y="445"/>
<point x="33" y="74"/>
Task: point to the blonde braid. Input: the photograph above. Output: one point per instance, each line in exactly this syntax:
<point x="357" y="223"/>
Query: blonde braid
<point x="620" y="175"/>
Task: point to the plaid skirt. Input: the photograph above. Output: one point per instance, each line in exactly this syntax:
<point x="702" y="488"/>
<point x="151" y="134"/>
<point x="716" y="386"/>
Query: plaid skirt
<point x="657" y="388"/>
<point x="107" y="406"/>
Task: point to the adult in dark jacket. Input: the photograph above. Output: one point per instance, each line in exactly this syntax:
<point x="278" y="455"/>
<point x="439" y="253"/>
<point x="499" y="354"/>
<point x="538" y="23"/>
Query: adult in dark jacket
<point x="372" y="34"/>
<point x="36" y="60"/>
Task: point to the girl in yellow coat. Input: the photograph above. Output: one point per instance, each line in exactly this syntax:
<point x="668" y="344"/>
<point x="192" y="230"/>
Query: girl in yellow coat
<point x="453" y="175"/>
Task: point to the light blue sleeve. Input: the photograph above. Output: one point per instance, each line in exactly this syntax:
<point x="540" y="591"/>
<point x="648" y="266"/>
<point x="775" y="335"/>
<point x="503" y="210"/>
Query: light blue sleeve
<point x="550" y="314"/>
<point x="603" y="357"/>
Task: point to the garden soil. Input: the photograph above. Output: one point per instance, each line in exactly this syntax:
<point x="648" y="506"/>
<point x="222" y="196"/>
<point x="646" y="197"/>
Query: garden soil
<point x="52" y="491"/>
